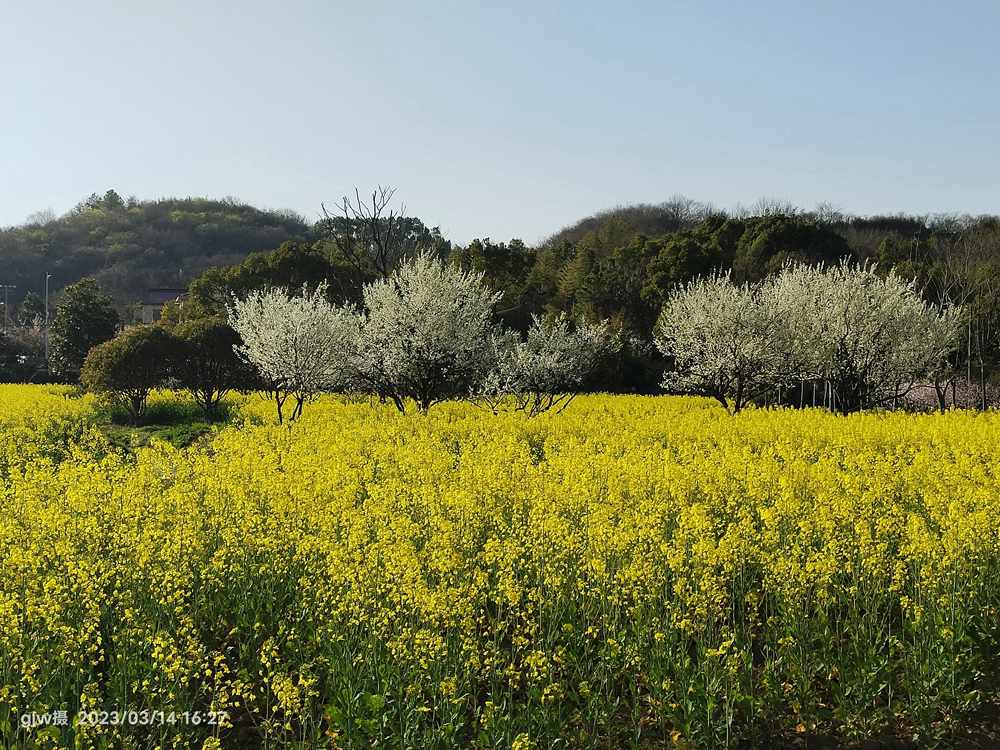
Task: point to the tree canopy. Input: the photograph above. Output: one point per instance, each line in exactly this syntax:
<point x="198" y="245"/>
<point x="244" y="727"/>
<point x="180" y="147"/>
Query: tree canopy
<point x="125" y="369"/>
<point x="84" y="318"/>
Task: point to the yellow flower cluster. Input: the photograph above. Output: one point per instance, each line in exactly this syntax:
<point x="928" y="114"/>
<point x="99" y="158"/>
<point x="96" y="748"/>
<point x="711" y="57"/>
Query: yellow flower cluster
<point x="39" y="423"/>
<point x="632" y="572"/>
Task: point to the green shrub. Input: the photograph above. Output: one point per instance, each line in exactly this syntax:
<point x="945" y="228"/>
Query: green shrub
<point x="125" y="369"/>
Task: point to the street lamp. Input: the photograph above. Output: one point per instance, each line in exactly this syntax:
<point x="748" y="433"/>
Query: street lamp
<point x="47" y="277"/>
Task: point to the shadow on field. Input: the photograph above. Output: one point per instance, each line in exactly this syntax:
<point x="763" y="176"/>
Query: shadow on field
<point x="979" y="730"/>
<point x="178" y="422"/>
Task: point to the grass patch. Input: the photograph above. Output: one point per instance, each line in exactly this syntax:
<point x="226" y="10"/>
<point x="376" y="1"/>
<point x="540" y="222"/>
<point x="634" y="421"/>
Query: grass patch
<point x="169" y="416"/>
<point x="178" y="435"/>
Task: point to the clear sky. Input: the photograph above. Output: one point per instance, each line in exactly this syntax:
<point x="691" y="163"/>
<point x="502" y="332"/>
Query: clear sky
<point x="502" y="119"/>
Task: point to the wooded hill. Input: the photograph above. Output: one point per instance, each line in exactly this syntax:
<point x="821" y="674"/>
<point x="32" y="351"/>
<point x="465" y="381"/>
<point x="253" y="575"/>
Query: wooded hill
<point x="622" y="264"/>
<point x="131" y="245"/>
<point x="619" y="264"/>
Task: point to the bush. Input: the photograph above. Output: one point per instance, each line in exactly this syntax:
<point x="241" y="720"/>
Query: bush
<point x="125" y="369"/>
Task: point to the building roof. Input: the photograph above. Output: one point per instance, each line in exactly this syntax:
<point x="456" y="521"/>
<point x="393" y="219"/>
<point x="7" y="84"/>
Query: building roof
<point x="162" y="295"/>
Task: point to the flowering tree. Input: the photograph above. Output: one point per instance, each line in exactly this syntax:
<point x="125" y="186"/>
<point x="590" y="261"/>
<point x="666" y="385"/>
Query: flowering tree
<point x="867" y="337"/>
<point x="301" y="345"/>
<point x="548" y="369"/>
<point x="426" y="333"/>
<point x="720" y="337"/>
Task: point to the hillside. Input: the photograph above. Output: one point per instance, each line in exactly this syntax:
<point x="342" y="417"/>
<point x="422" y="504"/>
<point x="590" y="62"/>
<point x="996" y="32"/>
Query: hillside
<point x="651" y="219"/>
<point x="132" y="245"/>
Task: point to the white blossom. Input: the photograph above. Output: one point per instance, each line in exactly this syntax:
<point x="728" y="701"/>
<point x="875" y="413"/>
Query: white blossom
<point x="720" y="338"/>
<point x="865" y="337"/>
<point x="301" y="345"/>
<point x="869" y="336"/>
<point x="426" y="333"/>
<point x="548" y="368"/>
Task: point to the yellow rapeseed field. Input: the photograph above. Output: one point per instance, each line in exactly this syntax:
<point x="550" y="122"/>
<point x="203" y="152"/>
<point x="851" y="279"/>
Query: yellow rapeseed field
<point x="633" y="572"/>
<point x="38" y="423"/>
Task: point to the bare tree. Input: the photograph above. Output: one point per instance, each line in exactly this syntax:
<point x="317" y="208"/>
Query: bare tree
<point x="766" y="207"/>
<point x="40" y="218"/>
<point x="954" y="282"/>
<point x="963" y="275"/>
<point x="827" y="213"/>
<point x="371" y="234"/>
<point x="686" y="212"/>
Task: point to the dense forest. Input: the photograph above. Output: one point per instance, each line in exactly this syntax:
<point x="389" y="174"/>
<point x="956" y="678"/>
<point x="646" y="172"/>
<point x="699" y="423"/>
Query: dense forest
<point x="620" y="264"/>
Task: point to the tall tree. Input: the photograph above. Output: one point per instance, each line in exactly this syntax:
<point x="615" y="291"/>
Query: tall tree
<point x="84" y="318"/>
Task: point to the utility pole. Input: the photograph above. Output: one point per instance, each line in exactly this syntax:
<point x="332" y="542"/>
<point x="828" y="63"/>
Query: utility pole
<point x="6" y="287"/>
<point x="47" y="277"/>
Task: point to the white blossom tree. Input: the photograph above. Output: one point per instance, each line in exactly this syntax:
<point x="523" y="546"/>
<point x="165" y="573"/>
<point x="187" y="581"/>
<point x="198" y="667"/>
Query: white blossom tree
<point x="300" y="345"/>
<point x="865" y="338"/>
<point x="426" y="333"/>
<point x="547" y="369"/>
<point x="868" y="338"/>
<point x="720" y="338"/>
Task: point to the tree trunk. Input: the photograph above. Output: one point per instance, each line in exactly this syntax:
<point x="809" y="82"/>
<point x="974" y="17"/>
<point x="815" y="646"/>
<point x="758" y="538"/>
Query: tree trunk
<point x="297" y="411"/>
<point x="721" y="398"/>
<point x="941" y="392"/>
<point x="137" y="401"/>
<point x="279" y="401"/>
<point x="982" y="381"/>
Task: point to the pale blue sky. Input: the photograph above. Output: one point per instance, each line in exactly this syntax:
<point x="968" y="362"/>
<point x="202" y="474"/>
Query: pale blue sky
<point x="502" y="119"/>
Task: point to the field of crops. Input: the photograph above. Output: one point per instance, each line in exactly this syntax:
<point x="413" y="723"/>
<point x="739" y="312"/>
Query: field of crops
<point x="633" y="572"/>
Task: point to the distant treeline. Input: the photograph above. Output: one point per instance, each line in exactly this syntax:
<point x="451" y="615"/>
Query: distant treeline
<point x="620" y="264"/>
